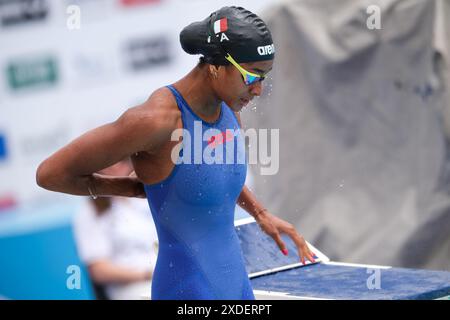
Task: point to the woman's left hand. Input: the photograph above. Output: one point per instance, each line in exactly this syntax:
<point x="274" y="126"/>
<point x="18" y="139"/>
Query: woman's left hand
<point x="275" y="227"/>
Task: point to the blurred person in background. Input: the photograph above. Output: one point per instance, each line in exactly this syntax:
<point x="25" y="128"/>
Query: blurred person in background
<point x="117" y="241"/>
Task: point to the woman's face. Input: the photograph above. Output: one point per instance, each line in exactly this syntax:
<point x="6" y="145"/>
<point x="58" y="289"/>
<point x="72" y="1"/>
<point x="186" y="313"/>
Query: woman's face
<point x="232" y="88"/>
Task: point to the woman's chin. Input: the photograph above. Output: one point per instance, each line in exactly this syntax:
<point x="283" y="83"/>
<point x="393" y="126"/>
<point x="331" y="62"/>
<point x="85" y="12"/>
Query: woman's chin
<point x="238" y="107"/>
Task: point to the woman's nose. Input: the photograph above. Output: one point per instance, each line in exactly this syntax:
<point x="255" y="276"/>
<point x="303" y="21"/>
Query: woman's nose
<point x="256" y="88"/>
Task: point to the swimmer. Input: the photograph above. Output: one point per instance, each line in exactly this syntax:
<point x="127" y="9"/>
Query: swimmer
<point x="192" y="203"/>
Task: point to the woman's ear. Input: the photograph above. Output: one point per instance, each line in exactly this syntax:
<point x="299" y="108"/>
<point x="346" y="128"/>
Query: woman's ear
<point x="214" y="71"/>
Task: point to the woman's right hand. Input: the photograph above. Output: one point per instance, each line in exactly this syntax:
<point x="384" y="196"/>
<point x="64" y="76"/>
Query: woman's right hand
<point x="138" y="189"/>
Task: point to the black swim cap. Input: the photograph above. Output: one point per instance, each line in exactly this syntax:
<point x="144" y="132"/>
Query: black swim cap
<point x="232" y="30"/>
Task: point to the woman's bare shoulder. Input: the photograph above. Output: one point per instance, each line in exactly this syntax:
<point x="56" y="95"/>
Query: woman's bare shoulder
<point x="161" y="105"/>
<point x="156" y="118"/>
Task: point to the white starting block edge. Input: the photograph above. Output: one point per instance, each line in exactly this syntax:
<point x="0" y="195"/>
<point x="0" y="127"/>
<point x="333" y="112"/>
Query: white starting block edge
<point x="273" y="295"/>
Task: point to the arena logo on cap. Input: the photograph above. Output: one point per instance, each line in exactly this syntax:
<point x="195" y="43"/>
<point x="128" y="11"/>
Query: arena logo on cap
<point x="266" y="50"/>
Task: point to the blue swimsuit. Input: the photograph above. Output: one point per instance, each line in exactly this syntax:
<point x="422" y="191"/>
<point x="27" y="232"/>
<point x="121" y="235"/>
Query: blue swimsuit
<point x="199" y="253"/>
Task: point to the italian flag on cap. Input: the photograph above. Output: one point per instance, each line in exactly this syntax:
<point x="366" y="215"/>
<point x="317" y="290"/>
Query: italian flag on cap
<point x="220" y="25"/>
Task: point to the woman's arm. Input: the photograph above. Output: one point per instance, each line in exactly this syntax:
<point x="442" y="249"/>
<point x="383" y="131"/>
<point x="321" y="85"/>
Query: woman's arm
<point x="248" y="202"/>
<point x="271" y="224"/>
<point x="72" y="168"/>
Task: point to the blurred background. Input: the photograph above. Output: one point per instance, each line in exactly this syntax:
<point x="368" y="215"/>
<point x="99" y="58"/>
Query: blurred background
<point x="359" y="92"/>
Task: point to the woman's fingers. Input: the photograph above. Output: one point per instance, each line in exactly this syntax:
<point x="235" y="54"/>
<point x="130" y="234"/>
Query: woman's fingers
<point x="277" y="237"/>
<point x="310" y="255"/>
<point x="302" y="247"/>
<point x="281" y="227"/>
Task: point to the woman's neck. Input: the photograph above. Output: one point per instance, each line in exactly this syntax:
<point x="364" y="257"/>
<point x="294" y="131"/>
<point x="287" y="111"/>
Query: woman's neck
<point x="196" y="89"/>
